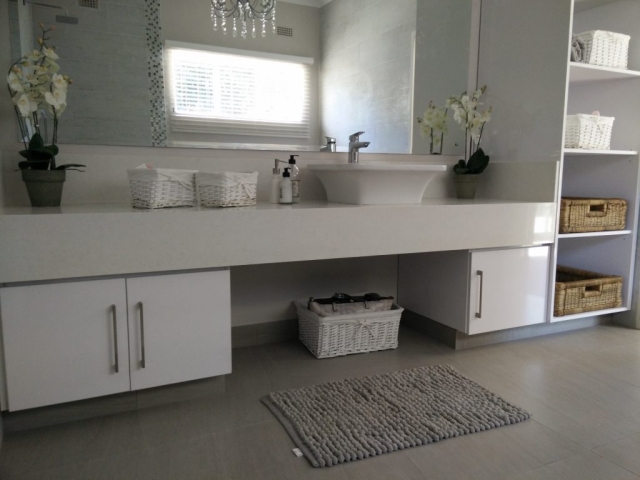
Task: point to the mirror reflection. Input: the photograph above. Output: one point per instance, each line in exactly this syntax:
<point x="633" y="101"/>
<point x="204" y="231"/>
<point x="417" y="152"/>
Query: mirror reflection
<point x="157" y="73"/>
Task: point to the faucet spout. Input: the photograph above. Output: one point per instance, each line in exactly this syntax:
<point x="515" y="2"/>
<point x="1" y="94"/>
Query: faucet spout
<point x="354" y="147"/>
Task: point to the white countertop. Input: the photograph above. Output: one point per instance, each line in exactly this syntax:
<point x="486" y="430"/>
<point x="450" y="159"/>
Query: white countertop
<point x="115" y="239"/>
<point x="127" y="208"/>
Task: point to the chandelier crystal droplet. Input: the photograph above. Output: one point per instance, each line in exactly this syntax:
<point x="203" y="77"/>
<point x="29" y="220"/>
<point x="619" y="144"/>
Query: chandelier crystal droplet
<point x="243" y="12"/>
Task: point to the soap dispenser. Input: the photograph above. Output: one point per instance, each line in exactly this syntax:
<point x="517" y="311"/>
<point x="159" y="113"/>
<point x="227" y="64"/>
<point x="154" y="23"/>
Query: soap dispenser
<point x="295" y="178"/>
<point x="274" y="193"/>
<point x="286" y="189"/>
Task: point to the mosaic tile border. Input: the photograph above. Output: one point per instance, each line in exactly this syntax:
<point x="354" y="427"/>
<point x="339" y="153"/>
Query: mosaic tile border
<point x="156" y="74"/>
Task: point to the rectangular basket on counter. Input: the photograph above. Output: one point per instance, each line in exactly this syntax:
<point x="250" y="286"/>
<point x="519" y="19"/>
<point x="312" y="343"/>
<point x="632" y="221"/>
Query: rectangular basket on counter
<point x="162" y="187"/>
<point x="588" y="132"/>
<point x="340" y="335"/>
<point x="605" y="49"/>
<point x="227" y="189"/>
<point x="581" y="215"/>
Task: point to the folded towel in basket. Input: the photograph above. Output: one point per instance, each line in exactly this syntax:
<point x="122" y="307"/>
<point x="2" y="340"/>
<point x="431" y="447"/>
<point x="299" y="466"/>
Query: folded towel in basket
<point x="343" y="304"/>
<point x="578" y="47"/>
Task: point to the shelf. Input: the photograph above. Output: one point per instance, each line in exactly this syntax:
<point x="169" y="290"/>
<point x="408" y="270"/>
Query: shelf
<point x="595" y="313"/>
<point x="582" y="5"/>
<point x="583" y="74"/>
<point x="595" y="234"/>
<point x="576" y="152"/>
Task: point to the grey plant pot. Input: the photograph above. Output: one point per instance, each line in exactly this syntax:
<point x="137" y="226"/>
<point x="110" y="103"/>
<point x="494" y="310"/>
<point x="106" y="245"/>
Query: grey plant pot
<point x="44" y="186"/>
<point x="466" y="186"/>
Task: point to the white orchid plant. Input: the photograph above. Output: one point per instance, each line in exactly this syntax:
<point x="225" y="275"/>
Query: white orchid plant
<point x="34" y="84"/>
<point x="434" y="126"/>
<point x="466" y="113"/>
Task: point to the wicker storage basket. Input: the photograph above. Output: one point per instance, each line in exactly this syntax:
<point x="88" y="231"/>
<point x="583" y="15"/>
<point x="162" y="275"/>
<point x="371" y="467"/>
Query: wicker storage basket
<point x="579" y="291"/>
<point x="606" y="49"/>
<point x="227" y="189"/>
<point x="589" y="132"/>
<point x="345" y="334"/>
<point x="162" y="187"/>
<point x="580" y="215"/>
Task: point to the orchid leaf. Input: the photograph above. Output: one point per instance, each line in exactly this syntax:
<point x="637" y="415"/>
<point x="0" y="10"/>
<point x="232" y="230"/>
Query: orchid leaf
<point x="478" y="162"/>
<point x="71" y="166"/>
<point x="36" y="142"/>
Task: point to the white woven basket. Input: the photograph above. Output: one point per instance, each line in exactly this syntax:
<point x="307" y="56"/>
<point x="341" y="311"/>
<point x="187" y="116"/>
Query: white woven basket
<point x="227" y="189"/>
<point x="162" y="187"/>
<point x="590" y="132"/>
<point x="606" y="49"/>
<point x="340" y="335"/>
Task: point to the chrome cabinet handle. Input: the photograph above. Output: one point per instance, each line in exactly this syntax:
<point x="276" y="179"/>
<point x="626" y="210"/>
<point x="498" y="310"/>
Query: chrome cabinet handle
<point x="114" y="317"/>
<point x="143" y="362"/>
<point x="480" y="273"/>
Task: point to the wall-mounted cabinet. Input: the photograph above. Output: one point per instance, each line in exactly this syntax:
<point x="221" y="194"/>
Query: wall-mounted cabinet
<point x="76" y="340"/>
<point x="477" y="291"/>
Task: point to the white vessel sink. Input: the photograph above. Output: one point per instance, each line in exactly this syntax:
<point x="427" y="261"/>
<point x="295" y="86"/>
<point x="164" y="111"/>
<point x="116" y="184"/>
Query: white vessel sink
<point x="376" y="184"/>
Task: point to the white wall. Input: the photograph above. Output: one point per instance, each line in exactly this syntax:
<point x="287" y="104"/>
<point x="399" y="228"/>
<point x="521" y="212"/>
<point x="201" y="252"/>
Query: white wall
<point x="443" y="40"/>
<point x="524" y="50"/>
<point x="367" y="60"/>
<point x="190" y="21"/>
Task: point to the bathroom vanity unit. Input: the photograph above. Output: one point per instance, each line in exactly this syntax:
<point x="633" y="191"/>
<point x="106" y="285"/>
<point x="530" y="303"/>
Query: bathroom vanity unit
<point x="103" y="299"/>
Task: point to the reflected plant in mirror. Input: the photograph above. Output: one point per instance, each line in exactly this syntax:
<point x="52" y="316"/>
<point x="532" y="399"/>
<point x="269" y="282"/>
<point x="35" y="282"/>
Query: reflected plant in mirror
<point x="434" y="126"/>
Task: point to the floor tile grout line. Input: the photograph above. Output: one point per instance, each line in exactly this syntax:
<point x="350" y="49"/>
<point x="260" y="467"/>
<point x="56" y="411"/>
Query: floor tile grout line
<point x="614" y="463"/>
<point x="618" y="440"/>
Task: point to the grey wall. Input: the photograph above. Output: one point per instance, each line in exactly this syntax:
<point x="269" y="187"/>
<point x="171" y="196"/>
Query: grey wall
<point x="106" y="56"/>
<point x="443" y="39"/>
<point x="367" y="61"/>
<point x="190" y="21"/>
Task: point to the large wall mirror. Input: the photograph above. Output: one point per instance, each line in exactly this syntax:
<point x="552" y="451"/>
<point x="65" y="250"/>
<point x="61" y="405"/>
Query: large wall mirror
<point x="156" y="73"/>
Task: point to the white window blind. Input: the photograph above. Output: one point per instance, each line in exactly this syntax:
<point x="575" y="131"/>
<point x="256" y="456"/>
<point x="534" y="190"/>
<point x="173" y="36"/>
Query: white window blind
<point x="237" y="94"/>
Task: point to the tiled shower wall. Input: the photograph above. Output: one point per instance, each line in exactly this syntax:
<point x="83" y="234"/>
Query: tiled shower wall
<point x="106" y="55"/>
<point x="367" y="51"/>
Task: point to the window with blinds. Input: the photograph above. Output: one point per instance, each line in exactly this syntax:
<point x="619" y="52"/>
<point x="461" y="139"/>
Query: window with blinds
<point x="237" y="94"/>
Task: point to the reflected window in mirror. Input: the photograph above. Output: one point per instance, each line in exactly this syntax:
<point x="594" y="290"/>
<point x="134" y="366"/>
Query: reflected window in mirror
<point x="215" y="94"/>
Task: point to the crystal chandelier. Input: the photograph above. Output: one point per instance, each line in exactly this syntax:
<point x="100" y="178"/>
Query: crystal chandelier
<point x="243" y="12"/>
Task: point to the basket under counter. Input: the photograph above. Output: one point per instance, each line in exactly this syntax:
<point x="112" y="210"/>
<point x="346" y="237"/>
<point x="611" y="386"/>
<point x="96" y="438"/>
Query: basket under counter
<point x="339" y="335"/>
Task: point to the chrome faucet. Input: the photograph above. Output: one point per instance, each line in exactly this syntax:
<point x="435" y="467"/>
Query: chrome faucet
<point x="354" y="147"/>
<point x="330" y="146"/>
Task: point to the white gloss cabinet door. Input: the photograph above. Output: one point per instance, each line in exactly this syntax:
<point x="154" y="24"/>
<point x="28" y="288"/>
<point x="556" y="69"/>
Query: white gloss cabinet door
<point x="179" y="327"/>
<point x="60" y="342"/>
<point x="508" y="288"/>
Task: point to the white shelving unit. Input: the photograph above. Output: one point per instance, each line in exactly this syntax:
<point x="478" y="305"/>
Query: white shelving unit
<point x="595" y="234"/>
<point x="611" y="173"/>
<point x="575" y="152"/>
<point x="583" y="74"/>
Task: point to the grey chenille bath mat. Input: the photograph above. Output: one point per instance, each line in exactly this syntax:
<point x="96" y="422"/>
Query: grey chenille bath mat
<point x="349" y="420"/>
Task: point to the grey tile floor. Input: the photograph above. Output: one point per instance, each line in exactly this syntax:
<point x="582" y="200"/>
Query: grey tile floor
<point x="583" y="389"/>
